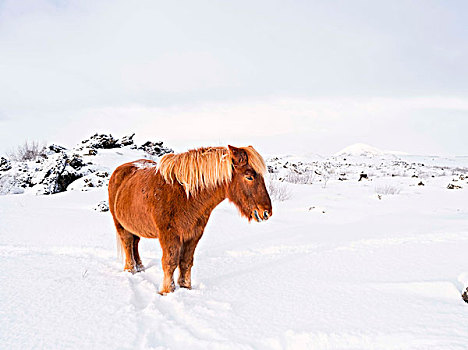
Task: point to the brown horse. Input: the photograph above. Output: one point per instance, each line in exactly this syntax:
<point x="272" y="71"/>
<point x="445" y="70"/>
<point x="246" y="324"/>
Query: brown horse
<point x="174" y="201"/>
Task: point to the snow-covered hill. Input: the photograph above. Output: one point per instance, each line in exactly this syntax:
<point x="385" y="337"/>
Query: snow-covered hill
<point x="346" y="262"/>
<point x="364" y="150"/>
<point x="88" y="165"/>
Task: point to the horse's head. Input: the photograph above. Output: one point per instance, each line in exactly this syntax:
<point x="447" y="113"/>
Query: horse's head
<point x="247" y="188"/>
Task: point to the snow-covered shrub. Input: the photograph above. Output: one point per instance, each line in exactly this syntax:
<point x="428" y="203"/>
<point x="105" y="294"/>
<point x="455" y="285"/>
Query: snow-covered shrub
<point x="278" y="191"/>
<point x="387" y="189"/>
<point x="294" y="177"/>
<point x="27" y="151"/>
<point x="325" y="177"/>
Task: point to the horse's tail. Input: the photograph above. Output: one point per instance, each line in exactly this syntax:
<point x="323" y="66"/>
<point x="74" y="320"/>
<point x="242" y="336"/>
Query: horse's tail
<point x="120" y="252"/>
<point x="112" y="188"/>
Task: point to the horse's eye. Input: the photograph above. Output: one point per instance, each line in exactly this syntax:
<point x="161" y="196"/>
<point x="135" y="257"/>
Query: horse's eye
<point x="250" y="178"/>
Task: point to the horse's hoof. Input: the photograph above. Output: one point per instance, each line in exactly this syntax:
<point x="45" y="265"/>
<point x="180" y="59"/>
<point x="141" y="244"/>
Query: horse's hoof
<point x="167" y="290"/>
<point x="132" y="271"/>
<point x="185" y="285"/>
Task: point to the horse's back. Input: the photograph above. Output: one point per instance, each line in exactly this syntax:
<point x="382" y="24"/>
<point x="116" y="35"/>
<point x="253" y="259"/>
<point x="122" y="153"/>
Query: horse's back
<point x="130" y="197"/>
<point x="119" y="176"/>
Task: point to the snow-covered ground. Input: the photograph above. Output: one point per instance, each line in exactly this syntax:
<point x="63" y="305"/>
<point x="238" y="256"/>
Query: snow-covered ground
<point x="342" y="264"/>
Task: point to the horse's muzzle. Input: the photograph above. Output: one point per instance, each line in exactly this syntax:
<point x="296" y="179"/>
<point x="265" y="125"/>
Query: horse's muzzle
<point x="264" y="216"/>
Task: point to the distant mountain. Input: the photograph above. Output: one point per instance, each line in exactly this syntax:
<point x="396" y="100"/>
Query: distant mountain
<point x="361" y="149"/>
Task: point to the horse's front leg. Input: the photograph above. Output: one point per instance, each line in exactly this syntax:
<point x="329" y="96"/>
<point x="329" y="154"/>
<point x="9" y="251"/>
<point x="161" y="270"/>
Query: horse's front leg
<point x="186" y="262"/>
<point x="171" y="247"/>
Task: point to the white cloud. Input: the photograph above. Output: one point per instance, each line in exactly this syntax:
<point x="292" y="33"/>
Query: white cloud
<point x="321" y="125"/>
<point x="301" y="76"/>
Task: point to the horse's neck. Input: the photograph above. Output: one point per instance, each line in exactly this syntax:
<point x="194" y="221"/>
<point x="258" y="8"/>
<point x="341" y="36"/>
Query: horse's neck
<point x="210" y="198"/>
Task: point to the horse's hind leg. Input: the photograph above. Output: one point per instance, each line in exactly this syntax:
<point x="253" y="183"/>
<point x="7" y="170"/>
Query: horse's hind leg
<point x="139" y="266"/>
<point x="127" y="241"/>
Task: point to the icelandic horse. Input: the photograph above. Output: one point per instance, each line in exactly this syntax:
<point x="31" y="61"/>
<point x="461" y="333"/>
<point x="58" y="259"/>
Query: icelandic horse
<point x="173" y="202"/>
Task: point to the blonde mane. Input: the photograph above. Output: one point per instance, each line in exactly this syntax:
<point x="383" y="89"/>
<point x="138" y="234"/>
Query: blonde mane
<point x="204" y="168"/>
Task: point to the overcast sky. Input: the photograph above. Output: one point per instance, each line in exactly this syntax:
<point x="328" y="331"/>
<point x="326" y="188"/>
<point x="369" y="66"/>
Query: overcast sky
<point x="286" y="76"/>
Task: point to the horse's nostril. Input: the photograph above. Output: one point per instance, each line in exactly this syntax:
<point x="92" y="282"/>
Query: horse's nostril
<point x="265" y="214"/>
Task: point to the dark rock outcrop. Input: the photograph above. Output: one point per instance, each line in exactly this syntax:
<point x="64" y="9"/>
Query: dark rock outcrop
<point x="465" y="295"/>
<point x="101" y="141"/>
<point x="57" y="174"/>
<point x="58" y="167"/>
<point x="453" y="187"/>
<point x="56" y="148"/>
<point x="102" y="206"/>
<point x="127" y="140"/>
<point x="155" y="148"/>
<point x="5" y="164"/>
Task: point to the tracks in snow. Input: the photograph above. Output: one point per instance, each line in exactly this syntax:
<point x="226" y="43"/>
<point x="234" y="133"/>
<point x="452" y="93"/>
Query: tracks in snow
<point x="173" y="321"/>
<point x="176" y="320"/>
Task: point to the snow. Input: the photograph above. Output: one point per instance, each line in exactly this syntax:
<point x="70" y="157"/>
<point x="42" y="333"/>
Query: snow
<point x="145" y="165"/>
<point x="340" y="265"/>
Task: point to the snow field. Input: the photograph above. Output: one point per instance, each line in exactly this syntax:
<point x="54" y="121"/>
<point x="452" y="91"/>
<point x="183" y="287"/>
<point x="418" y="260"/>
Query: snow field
<point x="334" y="268"/>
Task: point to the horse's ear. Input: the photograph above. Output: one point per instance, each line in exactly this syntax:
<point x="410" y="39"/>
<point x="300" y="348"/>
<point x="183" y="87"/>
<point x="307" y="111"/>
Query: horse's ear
<point x="239" y="156"/>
